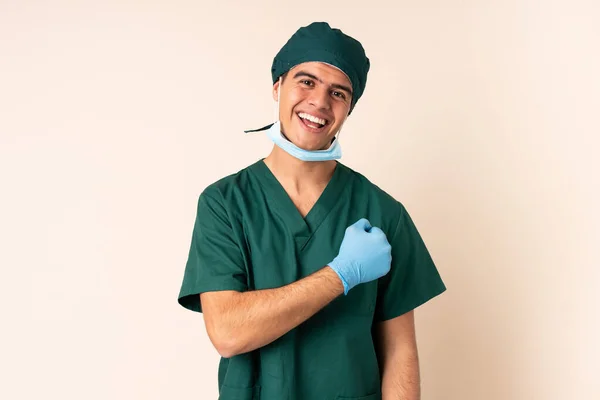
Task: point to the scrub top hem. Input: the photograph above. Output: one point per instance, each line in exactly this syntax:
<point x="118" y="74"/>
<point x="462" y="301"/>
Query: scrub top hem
<point x="191" y="299"/>
<point x="410" y="307"/>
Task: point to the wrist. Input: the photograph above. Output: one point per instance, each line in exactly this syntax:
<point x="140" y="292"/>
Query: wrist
<point x="345" y="286"/>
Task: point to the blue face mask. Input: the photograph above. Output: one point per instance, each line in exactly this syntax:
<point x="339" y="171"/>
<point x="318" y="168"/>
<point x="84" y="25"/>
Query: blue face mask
<point x="334" y="152"/>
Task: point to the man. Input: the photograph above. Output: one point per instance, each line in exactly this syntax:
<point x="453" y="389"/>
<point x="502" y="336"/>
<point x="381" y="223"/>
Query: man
<point x="307" y="274"/>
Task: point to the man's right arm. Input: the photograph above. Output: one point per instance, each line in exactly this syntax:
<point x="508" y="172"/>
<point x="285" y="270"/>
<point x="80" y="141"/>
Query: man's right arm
<point x="239" y="322"/>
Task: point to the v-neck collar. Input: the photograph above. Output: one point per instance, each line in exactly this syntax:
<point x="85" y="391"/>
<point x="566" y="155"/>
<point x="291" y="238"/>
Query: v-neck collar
<point x="279" y="198"/>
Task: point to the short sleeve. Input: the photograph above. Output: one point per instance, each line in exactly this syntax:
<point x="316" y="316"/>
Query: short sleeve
<point x="413" y="278"/>
<point x="215" y="259"/>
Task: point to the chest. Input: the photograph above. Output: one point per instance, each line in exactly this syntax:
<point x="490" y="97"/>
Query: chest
<point x="282" y="248"/>
<point x="305" y="202"/>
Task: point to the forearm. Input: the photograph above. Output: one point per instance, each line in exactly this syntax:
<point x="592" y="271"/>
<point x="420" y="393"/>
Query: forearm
<point x="398" y="358"/>
<point x="253" y="319"/>
<point x="400" y="376"/>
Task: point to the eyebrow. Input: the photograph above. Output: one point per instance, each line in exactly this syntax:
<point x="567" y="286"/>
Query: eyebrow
<point x="333" y="85"/>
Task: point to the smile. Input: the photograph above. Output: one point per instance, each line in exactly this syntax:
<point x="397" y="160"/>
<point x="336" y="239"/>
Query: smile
<point x="311" y="122"/>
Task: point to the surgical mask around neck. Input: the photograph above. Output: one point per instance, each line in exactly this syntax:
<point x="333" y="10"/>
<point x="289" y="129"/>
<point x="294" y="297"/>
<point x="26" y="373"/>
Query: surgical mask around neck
<point x="334" y="152"/>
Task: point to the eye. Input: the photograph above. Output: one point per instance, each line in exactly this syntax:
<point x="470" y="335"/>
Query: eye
<point x="339" y="94"/>
<point x="307" y="82"/>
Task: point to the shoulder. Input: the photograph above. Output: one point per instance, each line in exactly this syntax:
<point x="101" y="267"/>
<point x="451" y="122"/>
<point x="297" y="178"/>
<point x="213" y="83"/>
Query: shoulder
<point x="224" y="195"/>
<point x="383" y="209"/>
<point x="225" y="188"/>
<point x="361" y="185"/>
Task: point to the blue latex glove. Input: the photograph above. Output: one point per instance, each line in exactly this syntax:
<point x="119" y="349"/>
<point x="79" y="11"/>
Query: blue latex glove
<point x="365" y="255"/>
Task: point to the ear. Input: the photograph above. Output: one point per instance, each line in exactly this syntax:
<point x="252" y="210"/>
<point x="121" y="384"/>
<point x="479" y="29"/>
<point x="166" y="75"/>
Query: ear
<point x="276" y="89"/>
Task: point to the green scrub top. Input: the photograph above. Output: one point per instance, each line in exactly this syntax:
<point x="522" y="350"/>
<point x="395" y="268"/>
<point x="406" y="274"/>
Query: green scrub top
<point x="249" y="235"/>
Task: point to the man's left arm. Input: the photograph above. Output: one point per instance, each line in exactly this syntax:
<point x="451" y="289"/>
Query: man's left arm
<point x="398" y="358"/>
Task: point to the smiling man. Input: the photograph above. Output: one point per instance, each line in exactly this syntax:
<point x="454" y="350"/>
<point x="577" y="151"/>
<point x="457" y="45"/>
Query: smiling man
<point x="307" y="274"/>
<point x="312" y="124"/>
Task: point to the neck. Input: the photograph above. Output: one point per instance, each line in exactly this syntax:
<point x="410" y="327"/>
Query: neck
<point x="303" y="176"/>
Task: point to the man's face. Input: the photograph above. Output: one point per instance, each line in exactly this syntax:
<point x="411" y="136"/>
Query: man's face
<point x="316" y="91"/>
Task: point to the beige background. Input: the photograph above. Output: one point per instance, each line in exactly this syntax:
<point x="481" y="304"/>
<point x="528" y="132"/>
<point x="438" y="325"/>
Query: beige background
<point x="480" y="116"/>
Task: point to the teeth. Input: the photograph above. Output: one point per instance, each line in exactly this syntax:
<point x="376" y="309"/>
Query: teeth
<point x="312" y="118"/>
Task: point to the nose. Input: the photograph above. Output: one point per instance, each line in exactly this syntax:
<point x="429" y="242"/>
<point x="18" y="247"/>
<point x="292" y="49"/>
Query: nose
<point x="319" y="98"/>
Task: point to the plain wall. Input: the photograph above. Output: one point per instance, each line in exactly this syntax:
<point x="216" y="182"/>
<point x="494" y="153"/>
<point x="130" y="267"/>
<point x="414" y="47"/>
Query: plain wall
<point x="481" y="117"/>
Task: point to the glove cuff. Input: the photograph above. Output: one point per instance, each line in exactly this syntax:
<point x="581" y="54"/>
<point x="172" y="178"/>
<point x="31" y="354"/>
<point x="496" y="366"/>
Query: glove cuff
<point x="334" y="265"/>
